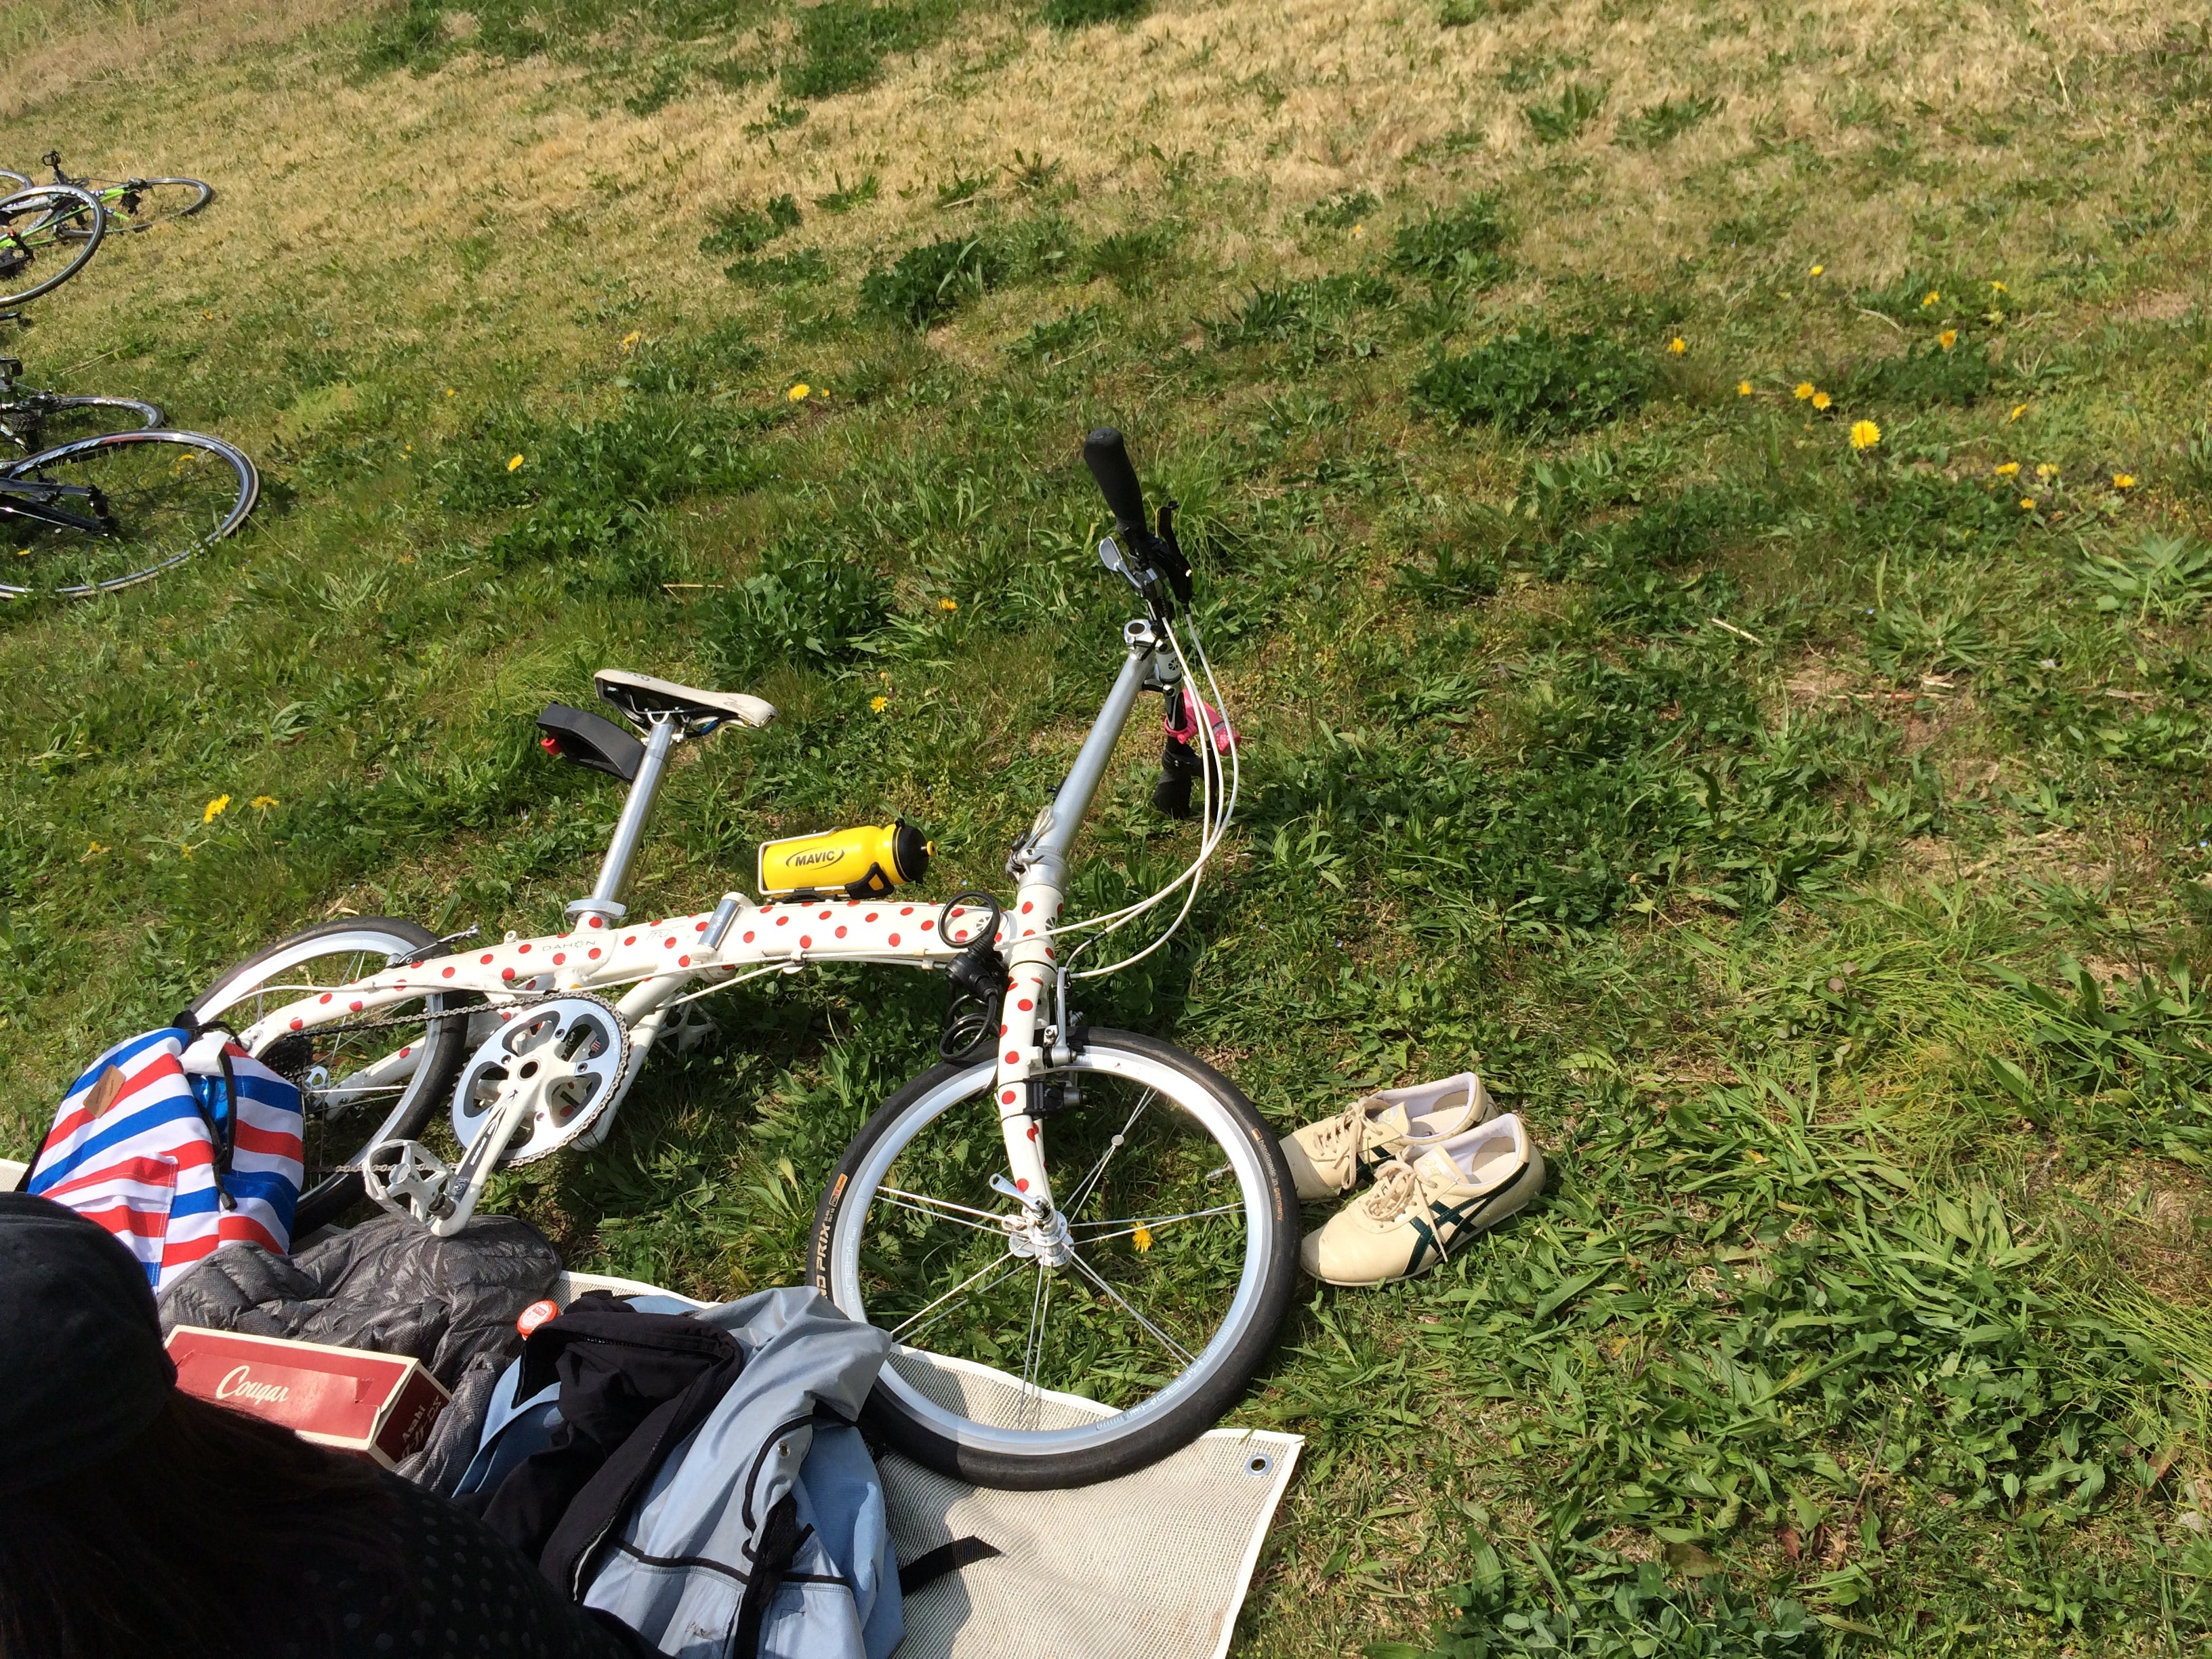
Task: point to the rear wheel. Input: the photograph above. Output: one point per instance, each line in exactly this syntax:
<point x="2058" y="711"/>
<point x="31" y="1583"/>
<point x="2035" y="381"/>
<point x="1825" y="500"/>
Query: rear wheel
<point x="153" y="500"/>
<point x="41" y="420"/>
<point x="47" y="235"/>
<point x="361" y="1082"/>
<point x="1123" y="1328"/>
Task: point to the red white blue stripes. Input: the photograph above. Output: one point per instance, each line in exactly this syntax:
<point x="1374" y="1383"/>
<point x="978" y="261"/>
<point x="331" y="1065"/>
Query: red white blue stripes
<point x="145" y="1168"/>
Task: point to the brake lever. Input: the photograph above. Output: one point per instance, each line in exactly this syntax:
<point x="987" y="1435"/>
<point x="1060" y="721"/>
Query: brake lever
<point x="1176" y="568"/>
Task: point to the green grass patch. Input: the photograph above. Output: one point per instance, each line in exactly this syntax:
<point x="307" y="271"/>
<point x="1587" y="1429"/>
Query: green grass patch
<point x="1535" y="382"/>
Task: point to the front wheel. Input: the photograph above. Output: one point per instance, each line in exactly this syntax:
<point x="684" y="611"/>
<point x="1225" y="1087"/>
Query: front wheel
<point x="1034" y="1353"/>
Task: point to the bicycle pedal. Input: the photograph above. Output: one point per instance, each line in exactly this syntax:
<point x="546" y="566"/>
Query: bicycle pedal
<point x="409" y="1179"/>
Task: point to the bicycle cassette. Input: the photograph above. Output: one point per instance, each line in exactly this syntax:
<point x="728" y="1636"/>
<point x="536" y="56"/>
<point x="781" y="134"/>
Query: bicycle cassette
<point x="559" y="1063"/>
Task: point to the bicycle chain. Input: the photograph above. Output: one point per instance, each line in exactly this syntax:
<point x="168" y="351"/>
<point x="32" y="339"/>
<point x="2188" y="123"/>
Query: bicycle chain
<point x="351" y="1027"/>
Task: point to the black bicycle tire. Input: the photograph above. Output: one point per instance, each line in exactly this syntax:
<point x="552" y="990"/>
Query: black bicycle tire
<point x="1030" y="1471"/>
<point x="89" y="246"/>
<point x="149" y="414"/>
<point x="206" y="194"/>
<point x="249" y="482"/>
<point x="447" y="1046"/>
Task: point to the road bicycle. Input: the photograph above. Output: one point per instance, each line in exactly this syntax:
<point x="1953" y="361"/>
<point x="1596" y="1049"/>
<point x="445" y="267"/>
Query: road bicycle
<point x="48" y="234"/>
<point x="32" y="421"/>
<point x="128" y="204"/>
<point x="1055" y="1214"/>
<point x="102" y="513"/>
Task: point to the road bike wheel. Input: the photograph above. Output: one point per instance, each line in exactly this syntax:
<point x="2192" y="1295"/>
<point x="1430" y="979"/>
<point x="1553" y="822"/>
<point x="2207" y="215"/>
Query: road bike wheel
<point x="12" y="180"/>
<point x="48" y="422"/>
<point x="47" y="235"/>
<point x="141" y="204"/>
<point x="167" y="495"/>
<point x="387" y="1073"/>
<point x="1177" y="1263"/>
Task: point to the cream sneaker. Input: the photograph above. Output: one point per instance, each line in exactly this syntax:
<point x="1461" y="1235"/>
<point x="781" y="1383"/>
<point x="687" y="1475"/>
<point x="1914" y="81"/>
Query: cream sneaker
<point x="1329" y="1157"/>
<point x="1424" y="1204"/>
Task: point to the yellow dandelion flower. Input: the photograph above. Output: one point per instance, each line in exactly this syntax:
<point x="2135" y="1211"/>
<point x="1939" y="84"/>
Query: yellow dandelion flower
<point x="1142" y="1238"/>
<point x="2028" y="503"/>
<point x="2124" y="481"/>
<point x="797" y="393"/>
<point x="1947" y="339"/>
<point x="630" y="339"/>
<point x="1821" y="400"/>
<point x="2007" y="469"/>
<point x="1817" y="269"/>
<point x="1999" y="287"/>
<point x="93" y="850"/>
<point x="216" y="809"/>
<point x="878" y="704"/>
<point x="2044" y="470"/>
<point x="1865" y="435"/>
<point x="514" y="463"/>
<point x="1359" y="230"/>
<point x="2018" y="409"/>
<point x="1678" y="345"/>
<point x="948" y="604"/>
<point x="1929" y="299"/>
<point x="1743" y="388"/>
<point x="449" y="391"/>
<point x="1805" y="389"/>
<point x="262" y="803"/>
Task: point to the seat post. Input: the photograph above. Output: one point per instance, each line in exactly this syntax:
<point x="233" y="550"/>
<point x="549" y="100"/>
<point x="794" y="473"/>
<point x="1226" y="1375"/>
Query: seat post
<point x="614" y="873"/>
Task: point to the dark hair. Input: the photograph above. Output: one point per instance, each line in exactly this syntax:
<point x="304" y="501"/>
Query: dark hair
<point x="192" y="1542"/>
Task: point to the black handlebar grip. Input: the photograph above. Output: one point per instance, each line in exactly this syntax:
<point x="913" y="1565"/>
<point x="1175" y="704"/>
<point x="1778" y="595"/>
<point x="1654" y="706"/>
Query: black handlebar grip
<point x="1107" y="457"/>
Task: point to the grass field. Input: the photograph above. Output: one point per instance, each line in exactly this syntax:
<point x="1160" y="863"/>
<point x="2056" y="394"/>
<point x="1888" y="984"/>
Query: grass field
<point x="1701" y="506"/>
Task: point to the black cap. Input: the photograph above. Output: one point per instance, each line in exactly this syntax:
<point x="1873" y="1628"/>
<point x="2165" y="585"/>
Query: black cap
<point x="83" y="1373"/>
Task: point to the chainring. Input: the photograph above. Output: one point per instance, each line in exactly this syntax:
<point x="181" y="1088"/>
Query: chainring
<point x="570" y="1053"/>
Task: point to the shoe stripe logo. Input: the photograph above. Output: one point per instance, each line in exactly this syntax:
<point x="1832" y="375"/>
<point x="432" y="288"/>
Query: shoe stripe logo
<point x="1454" y="1217"/>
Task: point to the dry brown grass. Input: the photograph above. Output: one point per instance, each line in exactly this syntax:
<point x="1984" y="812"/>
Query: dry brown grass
<point x="1277" y="104"/>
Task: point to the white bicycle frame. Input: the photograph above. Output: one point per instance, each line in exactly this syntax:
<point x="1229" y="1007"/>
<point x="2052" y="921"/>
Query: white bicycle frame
<point x="662" y="962"/>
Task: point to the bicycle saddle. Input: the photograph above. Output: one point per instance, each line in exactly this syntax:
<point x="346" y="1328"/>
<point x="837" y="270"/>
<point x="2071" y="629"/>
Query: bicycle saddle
<point x="641" y="696"/>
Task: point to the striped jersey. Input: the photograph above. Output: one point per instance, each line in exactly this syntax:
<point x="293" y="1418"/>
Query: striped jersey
<point x="136" y="1154"/>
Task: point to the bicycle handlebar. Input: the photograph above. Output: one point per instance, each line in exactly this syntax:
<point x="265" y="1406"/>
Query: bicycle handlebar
<point x="1107" y="457"/>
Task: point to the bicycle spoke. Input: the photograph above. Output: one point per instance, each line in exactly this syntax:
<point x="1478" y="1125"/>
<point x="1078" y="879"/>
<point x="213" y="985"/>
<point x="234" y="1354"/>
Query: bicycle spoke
<point x="991" y="1220"/>
<point x="1083" y="1186"/>
<point x="1002" y="1268"/>
<point x="1129" y="1225"/>
<point x="1040" y="1309"/>
<point x="1173" y="1348"/>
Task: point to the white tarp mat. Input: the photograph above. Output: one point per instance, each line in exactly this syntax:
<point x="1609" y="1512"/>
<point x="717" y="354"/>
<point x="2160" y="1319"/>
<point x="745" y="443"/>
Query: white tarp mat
<point x="1153" y="1565"/>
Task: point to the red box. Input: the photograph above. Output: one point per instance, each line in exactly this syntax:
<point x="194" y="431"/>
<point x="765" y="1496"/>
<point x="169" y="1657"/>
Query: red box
<point x="379" y="1406"/>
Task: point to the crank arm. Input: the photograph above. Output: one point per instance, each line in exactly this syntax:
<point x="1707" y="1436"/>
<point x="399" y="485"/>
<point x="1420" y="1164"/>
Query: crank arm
<point x="466" y="1183"/>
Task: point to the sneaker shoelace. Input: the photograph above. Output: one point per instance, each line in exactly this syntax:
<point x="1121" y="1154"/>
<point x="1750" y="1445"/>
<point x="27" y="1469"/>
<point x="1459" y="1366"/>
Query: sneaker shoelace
<point x="1350" y="1124"/>
<point x="1396" y="1184"/>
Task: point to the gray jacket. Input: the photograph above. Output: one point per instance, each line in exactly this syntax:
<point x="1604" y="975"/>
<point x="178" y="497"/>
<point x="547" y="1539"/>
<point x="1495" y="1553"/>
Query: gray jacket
<point x="775" y="1474"/>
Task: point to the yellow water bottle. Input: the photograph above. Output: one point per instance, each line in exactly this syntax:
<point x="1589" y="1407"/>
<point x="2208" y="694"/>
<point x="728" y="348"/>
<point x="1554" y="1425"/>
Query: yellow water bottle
<point x="863" y="863"/>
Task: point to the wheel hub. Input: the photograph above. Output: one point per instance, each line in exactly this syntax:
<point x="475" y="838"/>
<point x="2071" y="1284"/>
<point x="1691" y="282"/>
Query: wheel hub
<point x="1040" y="1238"/>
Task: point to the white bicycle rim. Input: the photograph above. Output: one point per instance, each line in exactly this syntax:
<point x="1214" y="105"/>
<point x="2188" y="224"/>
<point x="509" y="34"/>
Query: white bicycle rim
<point x="367" y="942"/>
<point x="974" y="1085"/>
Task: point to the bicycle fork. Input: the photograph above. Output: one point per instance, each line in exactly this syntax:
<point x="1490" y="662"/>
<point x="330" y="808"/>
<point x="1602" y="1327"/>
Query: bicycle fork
<point x="1030" y="1043"/>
